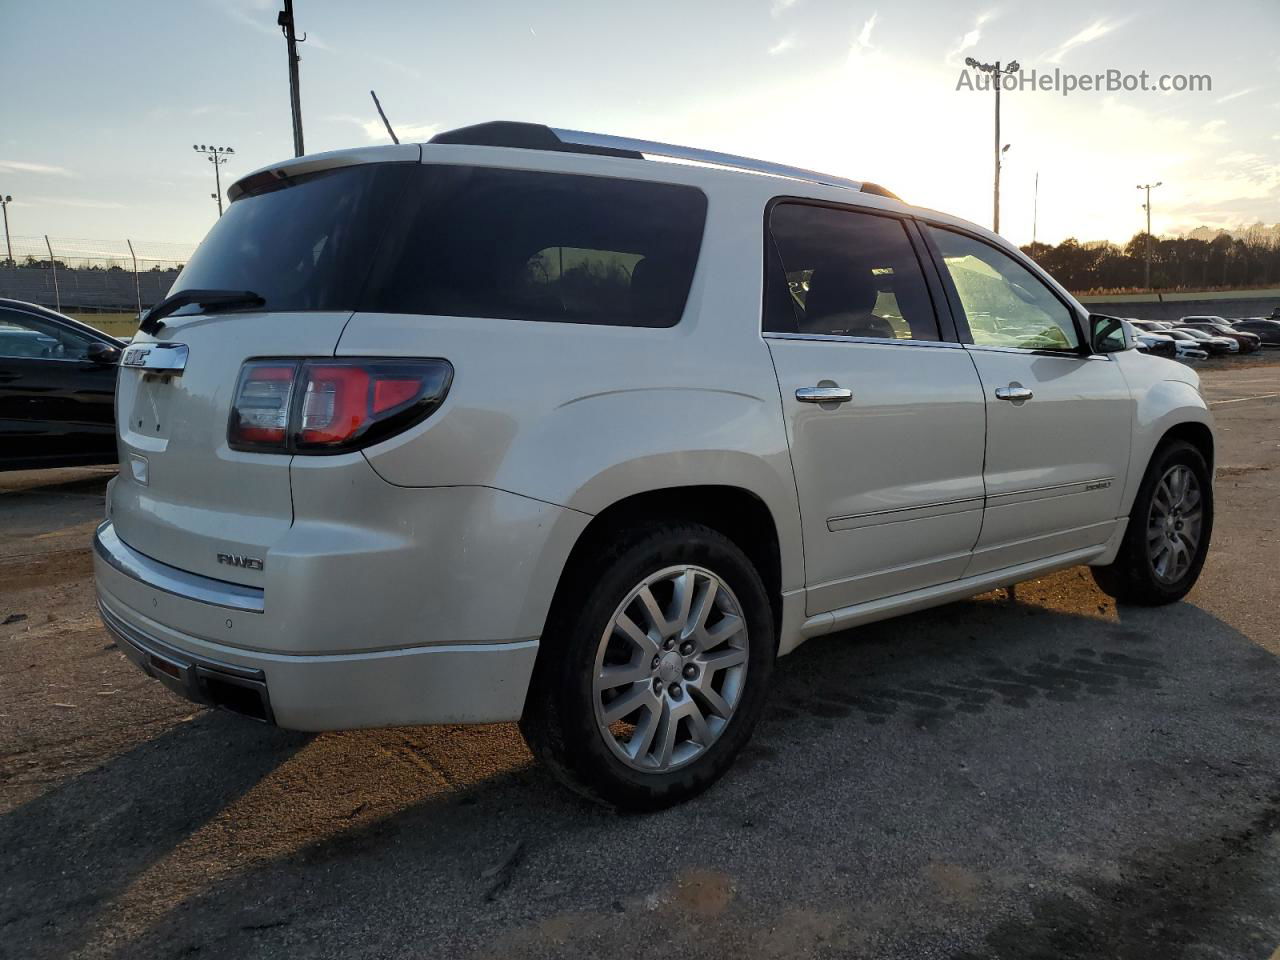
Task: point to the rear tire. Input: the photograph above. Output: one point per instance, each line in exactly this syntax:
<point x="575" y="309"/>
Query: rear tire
<point x="645" y="718"/>
<point x="1170" y="526"/>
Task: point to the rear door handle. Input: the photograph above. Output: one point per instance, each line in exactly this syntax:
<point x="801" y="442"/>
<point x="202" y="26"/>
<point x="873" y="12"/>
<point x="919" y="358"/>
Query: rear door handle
<point x="1014" y="393"/>
<point x="824" y="394"/>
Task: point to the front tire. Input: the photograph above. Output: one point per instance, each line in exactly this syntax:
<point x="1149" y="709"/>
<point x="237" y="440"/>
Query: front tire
<point x="654" y="667"/>
<point x="1170" y="526"/>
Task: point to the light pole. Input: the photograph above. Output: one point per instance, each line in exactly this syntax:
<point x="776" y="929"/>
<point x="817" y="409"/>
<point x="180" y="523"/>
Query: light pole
<point x="1148" y="187"/>
<point x="285" y="20"/>
<point x="217" y="156"/>
<point x="1035" y="209"/>
<point x="4" y="206"/>
<point x="998" y="74"/>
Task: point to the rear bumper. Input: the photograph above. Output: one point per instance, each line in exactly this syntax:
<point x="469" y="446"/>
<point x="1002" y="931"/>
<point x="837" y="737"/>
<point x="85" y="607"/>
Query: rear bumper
<point x="436" y="683"/>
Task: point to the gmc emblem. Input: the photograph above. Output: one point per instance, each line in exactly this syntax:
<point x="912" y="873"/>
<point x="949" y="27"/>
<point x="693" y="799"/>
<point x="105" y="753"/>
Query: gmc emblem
<point x="236" y="560"/>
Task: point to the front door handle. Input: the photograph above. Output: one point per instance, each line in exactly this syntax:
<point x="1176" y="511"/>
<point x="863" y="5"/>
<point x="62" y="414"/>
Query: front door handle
<point x="824" y="395"/>
<point x="1015" y="393"/>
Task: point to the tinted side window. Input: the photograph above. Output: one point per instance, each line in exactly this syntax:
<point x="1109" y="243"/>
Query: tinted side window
<point x="846" y="274"/>
<point x="526" y="245"/>
<point x="1005" y="303"/>
<point x="24" y="336"/>
<point x="301" y="244"/>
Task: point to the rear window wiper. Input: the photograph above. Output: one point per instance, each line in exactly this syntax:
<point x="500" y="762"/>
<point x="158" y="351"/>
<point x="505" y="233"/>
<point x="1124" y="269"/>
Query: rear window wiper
<point x="153" y="321"/>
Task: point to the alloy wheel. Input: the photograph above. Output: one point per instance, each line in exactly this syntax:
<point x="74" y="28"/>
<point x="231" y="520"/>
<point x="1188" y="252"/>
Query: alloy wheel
<point x="1174" y="524"/>
<point x="670" y="669"/>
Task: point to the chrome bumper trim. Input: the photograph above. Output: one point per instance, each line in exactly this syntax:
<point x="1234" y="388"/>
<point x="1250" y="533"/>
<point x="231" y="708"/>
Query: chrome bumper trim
<point x="198" y="679"/>
<point x="118" y="554"/>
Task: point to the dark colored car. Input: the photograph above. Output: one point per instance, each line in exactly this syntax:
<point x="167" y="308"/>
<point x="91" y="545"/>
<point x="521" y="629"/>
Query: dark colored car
<point x="1216" y="345"/>
<point x="1266" y="330"/>
<point x="1249" y="343"/>
<point x="57" y="389"/>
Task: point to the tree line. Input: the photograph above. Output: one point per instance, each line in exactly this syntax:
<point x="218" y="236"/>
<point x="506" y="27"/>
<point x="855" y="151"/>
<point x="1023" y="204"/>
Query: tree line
<point x="1177" y="263"/>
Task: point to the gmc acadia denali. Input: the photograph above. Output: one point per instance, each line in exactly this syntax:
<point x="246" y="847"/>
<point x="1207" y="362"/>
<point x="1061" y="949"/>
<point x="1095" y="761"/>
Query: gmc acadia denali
<point x="536" y="425"/>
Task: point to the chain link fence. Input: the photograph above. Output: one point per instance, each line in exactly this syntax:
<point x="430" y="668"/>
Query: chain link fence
<point x="90" y="276"/>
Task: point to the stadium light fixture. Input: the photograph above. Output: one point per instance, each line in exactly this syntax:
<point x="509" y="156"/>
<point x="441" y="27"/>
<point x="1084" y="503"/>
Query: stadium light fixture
<point x="217" y="156"/>
<point x="998" y="74"/>
<point x="1148" y="187"/>
<point x="4" y="205"/>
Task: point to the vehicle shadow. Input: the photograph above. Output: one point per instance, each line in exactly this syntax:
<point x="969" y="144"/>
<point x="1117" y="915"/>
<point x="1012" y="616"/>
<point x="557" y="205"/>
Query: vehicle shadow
<point x="999" y="777"/>
<point x="66" y="854"/>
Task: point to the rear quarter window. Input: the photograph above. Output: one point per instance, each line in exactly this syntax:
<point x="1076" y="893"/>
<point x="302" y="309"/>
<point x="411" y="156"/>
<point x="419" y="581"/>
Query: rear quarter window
<point x="526" y="245"/>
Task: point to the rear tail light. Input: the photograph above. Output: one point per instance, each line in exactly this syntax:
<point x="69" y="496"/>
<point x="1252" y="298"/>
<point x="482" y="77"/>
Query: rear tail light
<point x="332" y="405"/>
<point x="260" y="416"/>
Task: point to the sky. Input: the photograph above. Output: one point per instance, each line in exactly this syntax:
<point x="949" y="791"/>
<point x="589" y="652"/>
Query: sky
<point x="104" y="100"/>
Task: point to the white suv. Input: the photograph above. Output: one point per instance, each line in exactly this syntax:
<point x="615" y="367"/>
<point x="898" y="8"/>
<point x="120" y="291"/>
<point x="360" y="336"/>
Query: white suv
<point x="525" y="424"/>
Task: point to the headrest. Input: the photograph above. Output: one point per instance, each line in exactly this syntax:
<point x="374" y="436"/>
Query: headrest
<point x="657" y="286"/>
<point x="840" y="288"/>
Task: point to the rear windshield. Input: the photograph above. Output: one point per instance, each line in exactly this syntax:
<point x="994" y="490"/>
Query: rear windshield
<point x="460" y="241"/>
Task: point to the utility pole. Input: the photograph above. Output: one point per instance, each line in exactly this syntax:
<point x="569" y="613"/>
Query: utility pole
<point x="285" y="19"/>
<point x="4" y="205"/>
<point x="1148" y="187"/>
<point x="1035" y="210"/>
<point x="998" y="74"/>
<point x="217" y="156"/>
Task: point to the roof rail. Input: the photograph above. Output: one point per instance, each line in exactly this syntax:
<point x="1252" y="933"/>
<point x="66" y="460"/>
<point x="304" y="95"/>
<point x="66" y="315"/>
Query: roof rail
<point x="536" y="136"/>
<point x="695" y="155"/>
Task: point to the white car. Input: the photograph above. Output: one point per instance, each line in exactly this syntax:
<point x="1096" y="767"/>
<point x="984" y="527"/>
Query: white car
<point x="529" y="424"/>
<point x="1187" y="347"/>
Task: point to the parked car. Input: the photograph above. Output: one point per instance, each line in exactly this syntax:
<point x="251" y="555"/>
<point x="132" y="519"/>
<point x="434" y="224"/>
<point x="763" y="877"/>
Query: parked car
<point x="1187" y="348"/>
<point x="1268" y="331"/>
<point x="1148" y="342"/>
<point x="1215" y="345"/>
<point x="57" y="390"/>
<point x="1248" y="343"/>
<point x="457" y="432"/>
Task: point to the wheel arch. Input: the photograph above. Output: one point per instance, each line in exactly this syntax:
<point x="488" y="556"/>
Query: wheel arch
<point x="736" y="512"/>
<point x="1167" y="410"/>
<point x="1193" y="432"/>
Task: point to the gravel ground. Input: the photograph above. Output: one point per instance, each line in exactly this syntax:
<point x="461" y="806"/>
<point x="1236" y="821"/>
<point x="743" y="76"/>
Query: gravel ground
<point x="1032" y="773"/>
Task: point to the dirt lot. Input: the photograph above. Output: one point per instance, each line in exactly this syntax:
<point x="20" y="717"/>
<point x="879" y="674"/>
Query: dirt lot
<point x="1033" y="773"/>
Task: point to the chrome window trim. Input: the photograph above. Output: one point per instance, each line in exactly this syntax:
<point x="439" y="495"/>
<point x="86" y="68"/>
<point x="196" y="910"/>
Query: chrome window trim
<point x="190" y="586"/>
<point x="835" y="338"/>
<point x="1036" y="352"/>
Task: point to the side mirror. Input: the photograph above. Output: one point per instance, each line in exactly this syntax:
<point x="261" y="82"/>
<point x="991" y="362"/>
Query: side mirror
<point x="103" y="354"/>
<point x="1109" y="334"/>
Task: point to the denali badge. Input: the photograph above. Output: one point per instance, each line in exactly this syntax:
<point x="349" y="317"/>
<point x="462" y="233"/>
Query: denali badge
<point x="236" y="560"/>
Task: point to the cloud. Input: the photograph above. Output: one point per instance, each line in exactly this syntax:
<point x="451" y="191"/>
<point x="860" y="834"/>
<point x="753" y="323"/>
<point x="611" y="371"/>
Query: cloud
<point x="862" y="42"/>
<point x="20" y="166"/>
<point x="1094" y="31"/>
<point x="783" y="45"/>
<point x="408" y="71"/>
<point x="781" y="6"/>
<point x="1235" y="96"/>
<point x="377" y="133"/>
<point x="262" y="20"/>
<point x="970" y="39"/>
<point x="82" y="203"/>
<point x="1211" y="132"/>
